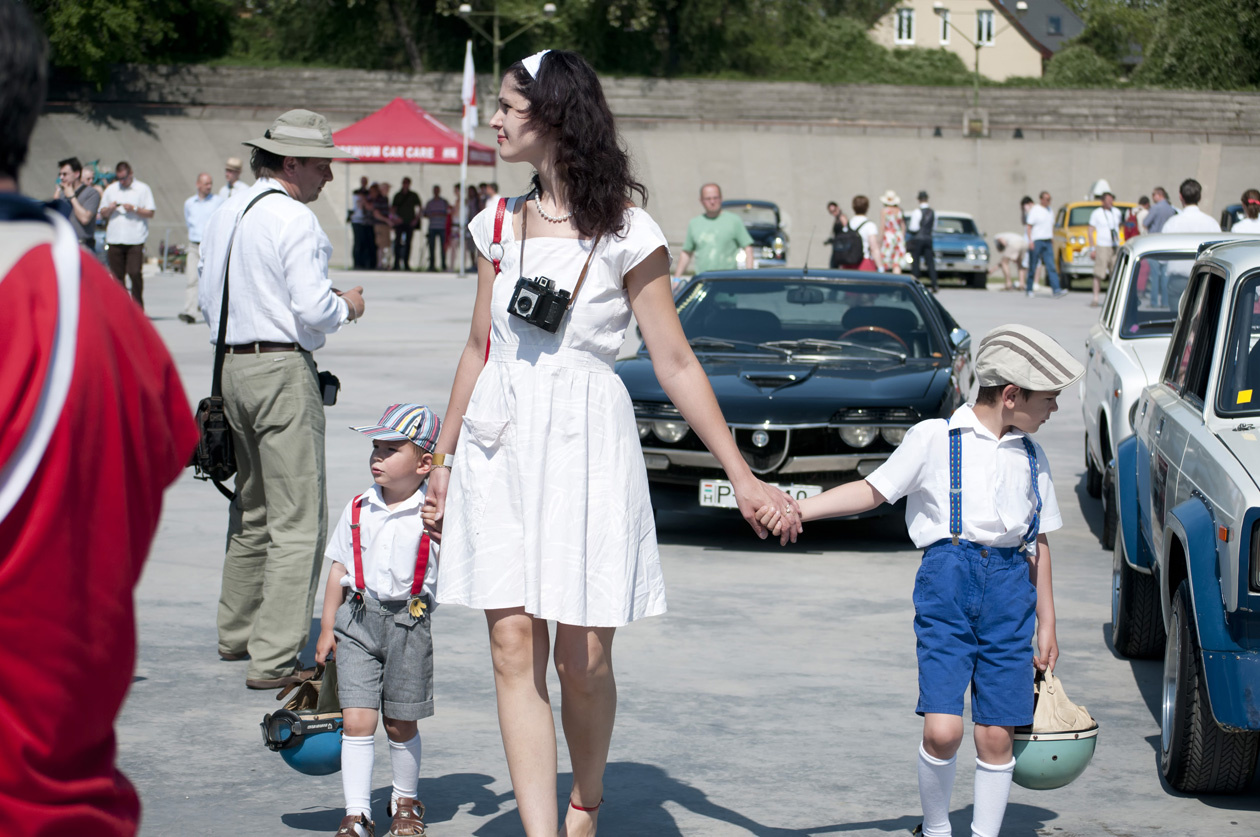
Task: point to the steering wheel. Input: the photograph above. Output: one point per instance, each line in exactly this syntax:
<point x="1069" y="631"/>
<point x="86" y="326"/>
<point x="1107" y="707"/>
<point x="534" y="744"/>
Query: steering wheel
<point x="872" y="329"/>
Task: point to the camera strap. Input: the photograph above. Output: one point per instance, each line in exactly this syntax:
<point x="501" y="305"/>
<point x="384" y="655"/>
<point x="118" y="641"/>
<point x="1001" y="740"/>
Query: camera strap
<point x="585" y="267"/>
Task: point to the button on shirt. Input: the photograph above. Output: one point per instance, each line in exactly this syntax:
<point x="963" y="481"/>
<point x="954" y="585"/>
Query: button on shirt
<point x="280" y="290"/>
<point x="389" y="540"/>
<point x="1042" y="223"/>
<point x="125" y="227"/>
<point x="997" y="497"/>
<point x="1191" y="219"/>
<point x="197" y="212"/>
<point x="1106" y="224"/>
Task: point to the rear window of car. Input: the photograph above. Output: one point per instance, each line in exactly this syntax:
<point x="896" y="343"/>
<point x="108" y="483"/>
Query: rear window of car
<point x="1156" y="284"/>
<point x="946" y="224"/>
<point x="1239" y="389"/>
<point x="754" y="312"/>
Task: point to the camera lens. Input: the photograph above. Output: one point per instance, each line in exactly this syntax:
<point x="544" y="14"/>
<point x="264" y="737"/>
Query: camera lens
<point x="524" y="304"/>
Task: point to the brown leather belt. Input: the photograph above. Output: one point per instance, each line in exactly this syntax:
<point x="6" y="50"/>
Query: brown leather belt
<point x="262" y="347"/>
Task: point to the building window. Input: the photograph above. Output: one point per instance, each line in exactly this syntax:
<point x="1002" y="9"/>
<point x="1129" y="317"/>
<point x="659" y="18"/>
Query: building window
<point x="1054" y="25"/>
<point x="905" y="26"/>
<point x="944" y="16"/>
<point x="984" y="28"/>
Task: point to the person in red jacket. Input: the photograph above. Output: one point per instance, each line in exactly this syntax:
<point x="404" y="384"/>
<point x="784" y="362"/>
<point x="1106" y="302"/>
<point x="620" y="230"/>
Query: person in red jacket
<point x="94" y="425"/>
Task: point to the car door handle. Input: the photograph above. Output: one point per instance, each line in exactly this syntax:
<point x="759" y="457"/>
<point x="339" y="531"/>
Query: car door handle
<point x="1091" y="351"/>
<point x="1160" y="429"/>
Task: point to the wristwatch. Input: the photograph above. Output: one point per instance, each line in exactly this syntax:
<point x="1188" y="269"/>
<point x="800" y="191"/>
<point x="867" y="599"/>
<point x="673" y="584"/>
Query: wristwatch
<point x="443" y="460"/>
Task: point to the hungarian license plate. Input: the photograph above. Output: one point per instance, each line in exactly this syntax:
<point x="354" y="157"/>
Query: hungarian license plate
<point x="721" y="493"/>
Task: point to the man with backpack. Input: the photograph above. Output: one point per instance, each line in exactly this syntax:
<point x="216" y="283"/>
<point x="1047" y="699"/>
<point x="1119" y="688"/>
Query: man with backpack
<point x="856" y="247"/>
<point x="920" y="226"/>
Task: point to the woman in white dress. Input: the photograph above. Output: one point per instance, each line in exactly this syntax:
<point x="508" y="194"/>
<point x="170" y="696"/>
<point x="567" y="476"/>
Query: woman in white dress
<point x="544" y="512"/>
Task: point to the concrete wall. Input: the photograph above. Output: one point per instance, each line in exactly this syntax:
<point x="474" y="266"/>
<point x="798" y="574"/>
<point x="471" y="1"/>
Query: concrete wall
<point x="1010" y="54"/>
<point x="797" y="144"/>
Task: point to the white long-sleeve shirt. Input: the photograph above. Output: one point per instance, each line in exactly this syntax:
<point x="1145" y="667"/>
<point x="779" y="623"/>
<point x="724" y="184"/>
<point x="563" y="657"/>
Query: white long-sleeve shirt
<point x="280" y="291"/>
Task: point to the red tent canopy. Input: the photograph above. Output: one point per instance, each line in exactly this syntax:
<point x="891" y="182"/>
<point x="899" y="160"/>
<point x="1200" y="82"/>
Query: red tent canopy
<point x="402" y="132"/>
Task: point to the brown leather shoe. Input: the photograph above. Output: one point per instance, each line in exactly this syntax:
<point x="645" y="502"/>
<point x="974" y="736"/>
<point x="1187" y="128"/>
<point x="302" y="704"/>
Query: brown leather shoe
<point x="298" y="675"/>
<point x="232" y="658"/>
<point x="407" y="821"/>
<point x="346" y="829"/>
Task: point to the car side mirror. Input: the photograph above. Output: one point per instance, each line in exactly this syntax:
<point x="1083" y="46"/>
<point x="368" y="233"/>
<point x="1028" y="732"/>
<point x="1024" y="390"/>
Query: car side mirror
<point x="959" y="337"/>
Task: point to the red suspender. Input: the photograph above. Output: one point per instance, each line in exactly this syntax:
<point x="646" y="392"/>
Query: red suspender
<point x="422" y="555"/>
<point x="499" y="212"/>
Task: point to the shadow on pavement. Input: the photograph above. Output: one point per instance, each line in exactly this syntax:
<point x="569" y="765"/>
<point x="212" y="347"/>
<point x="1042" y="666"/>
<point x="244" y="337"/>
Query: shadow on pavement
<point x="1091" y="509"/>
<point x="1021" y="821"/>
<point x="1248" y="800"/>
<point x="1147" y="674"/>
<point x="443" y="796"/>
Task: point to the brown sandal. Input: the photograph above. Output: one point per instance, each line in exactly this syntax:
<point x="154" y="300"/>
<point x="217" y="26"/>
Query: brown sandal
<point x="408" y="818"/>
<point x="346" y="829"/>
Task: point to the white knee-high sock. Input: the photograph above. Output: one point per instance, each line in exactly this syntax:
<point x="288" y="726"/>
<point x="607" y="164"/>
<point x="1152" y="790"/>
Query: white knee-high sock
<point x="404" y="759"/>
<point x="936" y="783"/>
<point x="993" y="788"/>
<point x="357" y="756"/>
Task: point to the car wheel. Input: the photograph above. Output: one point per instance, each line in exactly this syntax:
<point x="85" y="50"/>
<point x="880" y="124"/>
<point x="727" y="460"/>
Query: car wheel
<point x="978" y="280"/>
<point x="1196" y="755"/>
<point x="1111" y="517"/>
<point x="1093" y="477"/>
<point x="1137" y="627"/>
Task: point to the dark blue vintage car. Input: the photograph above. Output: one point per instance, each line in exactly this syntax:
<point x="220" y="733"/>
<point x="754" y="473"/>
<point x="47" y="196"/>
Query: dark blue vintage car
<point x="764" y="225"/>
<point x="819" y="375"/>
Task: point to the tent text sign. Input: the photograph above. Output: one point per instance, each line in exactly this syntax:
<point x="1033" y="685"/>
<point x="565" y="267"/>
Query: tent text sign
<point x="402" y="132"/>
<point x="405" y="153"/>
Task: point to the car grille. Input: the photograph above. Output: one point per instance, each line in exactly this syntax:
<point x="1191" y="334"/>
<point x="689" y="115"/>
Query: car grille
<point x="767" y="457"/>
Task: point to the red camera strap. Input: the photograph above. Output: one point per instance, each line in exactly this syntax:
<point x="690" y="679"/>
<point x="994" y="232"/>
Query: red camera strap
<point x="422" y="557"/>
<point x="499" y="212"/>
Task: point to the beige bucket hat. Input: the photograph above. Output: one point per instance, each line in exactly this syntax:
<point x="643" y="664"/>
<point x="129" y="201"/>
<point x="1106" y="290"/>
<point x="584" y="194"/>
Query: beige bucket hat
<point x="1023" y="356"/>
<point x="299" y="133"/>
<point x="890" y="198"/>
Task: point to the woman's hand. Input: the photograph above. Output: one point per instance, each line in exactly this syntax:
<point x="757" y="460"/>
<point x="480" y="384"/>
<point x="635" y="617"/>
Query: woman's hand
<point x="754" y="497"/>
<point x="435" y="502"/>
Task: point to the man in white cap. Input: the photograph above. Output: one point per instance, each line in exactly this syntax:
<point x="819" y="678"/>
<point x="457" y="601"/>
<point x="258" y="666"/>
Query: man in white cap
<point x="979" y="502"/>
<point x="232" y="177"/>
<point x="281" y="305"/>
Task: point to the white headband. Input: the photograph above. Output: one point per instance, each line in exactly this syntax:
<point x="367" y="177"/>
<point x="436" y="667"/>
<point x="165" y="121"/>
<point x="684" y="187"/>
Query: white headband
<point x="533" y="62"/>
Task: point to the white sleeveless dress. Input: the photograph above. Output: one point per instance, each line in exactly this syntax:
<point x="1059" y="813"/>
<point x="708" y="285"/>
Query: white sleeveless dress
<point x="548" y="504"/>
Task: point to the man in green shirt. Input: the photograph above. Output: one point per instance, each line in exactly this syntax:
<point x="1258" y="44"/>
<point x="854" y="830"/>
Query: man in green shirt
<point x="715" y="238"/>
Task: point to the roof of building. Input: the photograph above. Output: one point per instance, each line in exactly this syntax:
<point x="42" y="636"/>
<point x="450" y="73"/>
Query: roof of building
<point x="1049" y="23"/>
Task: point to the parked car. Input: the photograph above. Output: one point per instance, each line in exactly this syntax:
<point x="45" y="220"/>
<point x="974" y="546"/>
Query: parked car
<point x="960" y="249"/>
<point x="1071" y="238"/>
<point x="1186" y="571"/>
<point x="1126" y="348"/>
<point x="819" y="375"/>
<point x="1231" y="215"/>
<point x="770" y="240"/>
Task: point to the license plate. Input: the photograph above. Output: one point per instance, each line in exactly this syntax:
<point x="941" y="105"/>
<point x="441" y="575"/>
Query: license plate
<point x="721" y="493"/>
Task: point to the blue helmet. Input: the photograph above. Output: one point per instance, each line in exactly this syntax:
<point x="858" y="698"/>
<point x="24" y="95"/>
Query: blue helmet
<point x="1048" y="760"/>
<point x="310" y="743"/>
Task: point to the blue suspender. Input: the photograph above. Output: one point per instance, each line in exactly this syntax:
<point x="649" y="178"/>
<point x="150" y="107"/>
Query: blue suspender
<point x="955" y="490"/>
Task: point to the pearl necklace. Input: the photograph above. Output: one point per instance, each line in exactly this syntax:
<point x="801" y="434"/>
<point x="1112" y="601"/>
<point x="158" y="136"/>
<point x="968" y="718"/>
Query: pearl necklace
<point x="552" y="218"/>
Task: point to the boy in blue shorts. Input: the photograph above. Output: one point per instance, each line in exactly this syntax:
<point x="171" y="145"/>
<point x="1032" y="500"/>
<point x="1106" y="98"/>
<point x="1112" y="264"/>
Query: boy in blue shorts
<point x="979" y="502"/>
<point x="376" y="619"/>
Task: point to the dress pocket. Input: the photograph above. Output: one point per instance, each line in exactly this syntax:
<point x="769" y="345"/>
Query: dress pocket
<point x="486" y="433"/>
<point x="481" y="441"/>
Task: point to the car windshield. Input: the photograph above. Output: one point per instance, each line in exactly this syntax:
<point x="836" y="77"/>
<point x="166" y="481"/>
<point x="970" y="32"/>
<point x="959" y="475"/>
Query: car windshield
<point x="1080" y="215"/>
<point x="1158" y="280"/>
<point x="1239" y="389"/>
<point x="947" y="224"/>
<point x="865" y="320"/>
<point x="753" y="215"/>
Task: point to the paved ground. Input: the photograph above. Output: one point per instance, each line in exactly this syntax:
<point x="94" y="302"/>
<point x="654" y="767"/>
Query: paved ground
<point x="775" y="698"/>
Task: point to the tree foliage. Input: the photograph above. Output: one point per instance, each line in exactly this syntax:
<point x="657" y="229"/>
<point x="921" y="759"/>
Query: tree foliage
<point x="1212" y="44"/>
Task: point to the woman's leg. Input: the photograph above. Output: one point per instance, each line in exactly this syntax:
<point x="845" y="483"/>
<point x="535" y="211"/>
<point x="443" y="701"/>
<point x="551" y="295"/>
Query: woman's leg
<point x="588" y="707"/>
<point x="519" y="649"/>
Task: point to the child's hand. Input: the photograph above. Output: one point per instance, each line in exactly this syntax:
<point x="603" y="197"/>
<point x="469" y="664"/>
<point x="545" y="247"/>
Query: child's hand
<point x="325" y="646"/>
<point x="1047" y="648"/>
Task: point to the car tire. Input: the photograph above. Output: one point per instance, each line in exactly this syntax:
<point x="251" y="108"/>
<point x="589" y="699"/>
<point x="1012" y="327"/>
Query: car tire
<point x="1196" y="755"/>
<point x="978" y="280"/>
<point x="1137" y="626"/>
<point x="1093" y="477"/>
<point x="1111" y="516"/>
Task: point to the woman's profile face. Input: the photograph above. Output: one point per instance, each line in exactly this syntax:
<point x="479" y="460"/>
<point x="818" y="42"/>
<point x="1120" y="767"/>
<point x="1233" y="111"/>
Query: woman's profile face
<point x="518" y="142"/>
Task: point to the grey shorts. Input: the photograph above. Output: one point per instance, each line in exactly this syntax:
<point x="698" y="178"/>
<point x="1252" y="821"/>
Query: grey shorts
<point x="384" y="659"/>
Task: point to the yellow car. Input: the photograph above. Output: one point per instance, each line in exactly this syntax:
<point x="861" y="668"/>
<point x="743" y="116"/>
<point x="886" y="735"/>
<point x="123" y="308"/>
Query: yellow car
<point x="1071" y="237"/>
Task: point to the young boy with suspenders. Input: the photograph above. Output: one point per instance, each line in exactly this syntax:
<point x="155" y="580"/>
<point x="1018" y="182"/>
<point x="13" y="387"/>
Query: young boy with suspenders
<point x="979" y="502"/>
<point x="376" y="618"/>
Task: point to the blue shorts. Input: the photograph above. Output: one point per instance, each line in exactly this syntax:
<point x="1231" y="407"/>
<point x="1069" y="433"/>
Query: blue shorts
<point x="974" y="614"/>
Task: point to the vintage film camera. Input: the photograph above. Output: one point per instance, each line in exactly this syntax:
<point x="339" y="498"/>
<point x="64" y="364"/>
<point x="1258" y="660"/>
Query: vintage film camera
<point x="536" y="301"/>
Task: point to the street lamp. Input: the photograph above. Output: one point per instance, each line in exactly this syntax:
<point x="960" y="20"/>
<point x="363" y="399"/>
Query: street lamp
<point x="941" y="11"/>
<point x="496" y="41"/>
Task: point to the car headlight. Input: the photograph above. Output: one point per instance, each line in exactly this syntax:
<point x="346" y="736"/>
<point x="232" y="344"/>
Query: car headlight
<point x="894" y="435"/>
<point x="779" y="247"/>
<point x="645" y="427"/>
<point x="767" y="252"/>
<point x="670" y="432"/>
<point x="1078" y="240"/>
<point x="858" y="435"/>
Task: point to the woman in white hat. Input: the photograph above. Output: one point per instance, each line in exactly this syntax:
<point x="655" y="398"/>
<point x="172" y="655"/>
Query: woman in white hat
<point x="893" y="224"/>
<point x="547" y="514"/>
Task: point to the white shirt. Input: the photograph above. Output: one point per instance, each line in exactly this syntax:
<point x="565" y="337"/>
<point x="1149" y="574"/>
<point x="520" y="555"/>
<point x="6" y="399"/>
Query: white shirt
<point x="389" y="541"/>
<point x="864" y="227"/>
<point x="280" y="290"/>
<point x="1015" y="243"/>
<point x="997" y="497"/>
<point x="231" y="190"/>
<point x="1106" y="224"/>
<point x="125" y="227"/>
<point x="1246" y="225"/>
<point x="916" y="219"/>
<point x="1191" y="220"/>
<point x="1041" y="221"/>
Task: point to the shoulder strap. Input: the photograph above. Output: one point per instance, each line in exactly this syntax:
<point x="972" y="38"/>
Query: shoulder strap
<point x="496" y="246"/>
<point x="1030" y="537"/>
<point x="955" y="483"/>
<point x="220" y="347"/>
<point x="359" y="584"/>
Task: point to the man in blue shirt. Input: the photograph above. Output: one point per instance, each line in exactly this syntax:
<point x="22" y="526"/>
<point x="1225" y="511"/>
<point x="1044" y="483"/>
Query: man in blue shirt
<point x="197" y="212"/>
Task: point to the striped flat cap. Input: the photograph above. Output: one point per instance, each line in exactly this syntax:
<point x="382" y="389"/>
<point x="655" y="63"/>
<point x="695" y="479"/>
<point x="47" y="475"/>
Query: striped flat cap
<point x="1019" y="355"/>
<point x="410" y="422"/>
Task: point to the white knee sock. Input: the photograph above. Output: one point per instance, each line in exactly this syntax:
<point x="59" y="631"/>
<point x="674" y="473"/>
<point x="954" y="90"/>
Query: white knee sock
<point x="357" y="756"/>
<point x="993" y="788"/>
<point x="936" y="783"/>
<point x="404" y="759"/>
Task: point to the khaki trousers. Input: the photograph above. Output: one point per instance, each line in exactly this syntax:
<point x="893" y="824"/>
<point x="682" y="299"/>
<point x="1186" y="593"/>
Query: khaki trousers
<point x="190" y="280"/>
<point x="278" y="522"/>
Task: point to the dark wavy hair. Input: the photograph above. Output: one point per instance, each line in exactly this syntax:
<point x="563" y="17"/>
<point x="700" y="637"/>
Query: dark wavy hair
<point x="567" y="104"/>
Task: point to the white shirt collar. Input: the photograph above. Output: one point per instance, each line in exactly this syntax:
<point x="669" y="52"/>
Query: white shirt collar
<point x="375" y="496"/>
<point x="965" y="418"/>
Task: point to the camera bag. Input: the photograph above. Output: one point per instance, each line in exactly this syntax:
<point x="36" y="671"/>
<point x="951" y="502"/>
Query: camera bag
<point x="215" y="456"/>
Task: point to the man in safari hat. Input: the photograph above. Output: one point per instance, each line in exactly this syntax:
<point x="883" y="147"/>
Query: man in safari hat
<point x="232" y="177"/>
<point x="281" y="307"/>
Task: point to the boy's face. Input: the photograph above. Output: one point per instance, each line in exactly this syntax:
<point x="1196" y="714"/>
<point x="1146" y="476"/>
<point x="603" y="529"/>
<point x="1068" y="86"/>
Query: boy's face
<point x="397" y="464"/>
<point x="1028" y="414"/>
